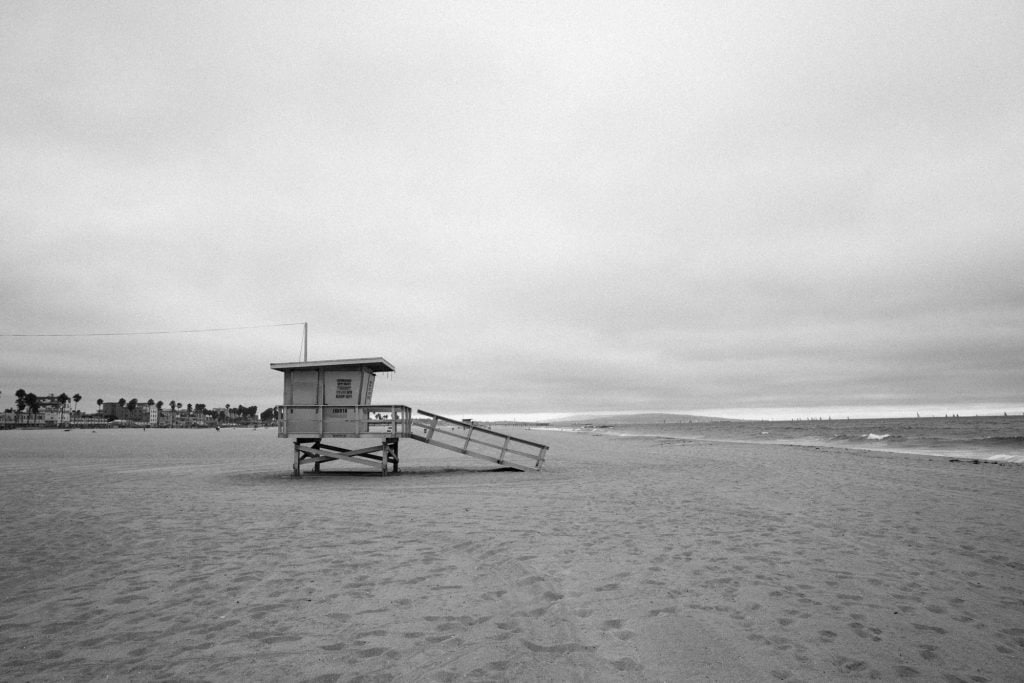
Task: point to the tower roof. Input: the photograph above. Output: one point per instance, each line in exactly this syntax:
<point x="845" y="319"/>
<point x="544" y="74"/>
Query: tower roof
<point x="377" y="364"/>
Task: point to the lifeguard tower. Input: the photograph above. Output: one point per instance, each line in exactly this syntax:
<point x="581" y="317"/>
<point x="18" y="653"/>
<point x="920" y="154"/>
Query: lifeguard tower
<point x="333" y="400"/>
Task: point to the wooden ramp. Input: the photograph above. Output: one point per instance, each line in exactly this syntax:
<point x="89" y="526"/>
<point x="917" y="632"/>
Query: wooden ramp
<point x="479" y="442"/>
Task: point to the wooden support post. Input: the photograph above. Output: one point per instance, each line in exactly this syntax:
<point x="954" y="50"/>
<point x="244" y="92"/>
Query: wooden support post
<point x="391" y="452"/>
<point x="296" y="469"/>
<point x="316" y="465"/>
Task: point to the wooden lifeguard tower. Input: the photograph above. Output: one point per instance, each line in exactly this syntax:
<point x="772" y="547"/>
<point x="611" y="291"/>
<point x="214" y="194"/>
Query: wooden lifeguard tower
<point x="333" y="400"/>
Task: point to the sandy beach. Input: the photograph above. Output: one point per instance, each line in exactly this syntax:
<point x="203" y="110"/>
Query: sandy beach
<point x="194" y="555"/>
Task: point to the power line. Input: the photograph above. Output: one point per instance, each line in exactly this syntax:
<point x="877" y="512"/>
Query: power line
<point x="152" y="332"/>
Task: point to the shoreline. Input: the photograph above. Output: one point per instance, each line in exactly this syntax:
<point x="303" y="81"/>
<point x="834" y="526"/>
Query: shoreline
<point x="952" y="454"/>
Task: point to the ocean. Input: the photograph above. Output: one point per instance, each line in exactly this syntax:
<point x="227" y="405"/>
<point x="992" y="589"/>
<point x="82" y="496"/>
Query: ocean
<point x="998" y="439"/>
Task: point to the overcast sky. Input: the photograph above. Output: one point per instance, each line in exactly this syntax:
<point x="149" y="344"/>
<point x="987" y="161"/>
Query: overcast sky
<point x="716" y="207"/>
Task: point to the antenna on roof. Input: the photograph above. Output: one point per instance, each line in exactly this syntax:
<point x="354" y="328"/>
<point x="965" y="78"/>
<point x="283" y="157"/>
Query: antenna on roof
<point x="305" y="341"/>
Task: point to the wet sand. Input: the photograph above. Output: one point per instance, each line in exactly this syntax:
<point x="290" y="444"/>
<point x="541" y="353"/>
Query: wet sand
<point x="193" y="555"/>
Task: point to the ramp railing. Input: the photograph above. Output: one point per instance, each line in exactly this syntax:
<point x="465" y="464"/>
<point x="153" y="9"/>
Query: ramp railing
<point x="479" y="442"/>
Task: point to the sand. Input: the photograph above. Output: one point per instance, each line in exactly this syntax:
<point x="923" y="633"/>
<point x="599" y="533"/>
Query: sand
<point x="193" y="555"/>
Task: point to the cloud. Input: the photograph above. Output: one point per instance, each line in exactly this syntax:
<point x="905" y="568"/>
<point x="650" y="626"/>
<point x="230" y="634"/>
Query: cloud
<point x="547" y="208"/>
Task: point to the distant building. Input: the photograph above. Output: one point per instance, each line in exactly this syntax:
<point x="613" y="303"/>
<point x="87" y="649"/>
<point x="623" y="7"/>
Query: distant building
<point x="52" y="410"/>
<point x="112" y="410"/>
<point x="143" y="412"/>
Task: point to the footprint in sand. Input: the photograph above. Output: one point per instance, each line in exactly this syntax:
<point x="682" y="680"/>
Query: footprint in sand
<point x="863" y="631"/>
<point x="851" y="665"/>
<point x="663" y="610"/>
<point x="564" y="648"/>
<point x="906" y="672"/>
<point x="627" y="664"/>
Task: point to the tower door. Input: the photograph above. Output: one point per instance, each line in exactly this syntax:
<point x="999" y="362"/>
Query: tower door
<point x="305" y="388"/>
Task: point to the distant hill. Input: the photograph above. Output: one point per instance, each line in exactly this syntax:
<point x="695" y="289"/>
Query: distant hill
<point x="636" y="418"/>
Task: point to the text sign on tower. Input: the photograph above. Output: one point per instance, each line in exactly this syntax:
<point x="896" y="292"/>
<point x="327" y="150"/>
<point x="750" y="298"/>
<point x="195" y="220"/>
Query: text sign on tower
<point x="343" y="388"/>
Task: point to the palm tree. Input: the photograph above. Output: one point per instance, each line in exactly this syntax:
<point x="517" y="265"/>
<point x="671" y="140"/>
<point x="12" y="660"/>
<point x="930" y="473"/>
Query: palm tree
<point x="63" y="399"/>
<point x="173" y="410"/>
<point x="32" y="401"/>
<point x="131" y="408"/>
<point x="76" y="398"/>
<point x="120" y="404"/>
<point x="99" y="407"/>
<point x="20" y="402"/>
